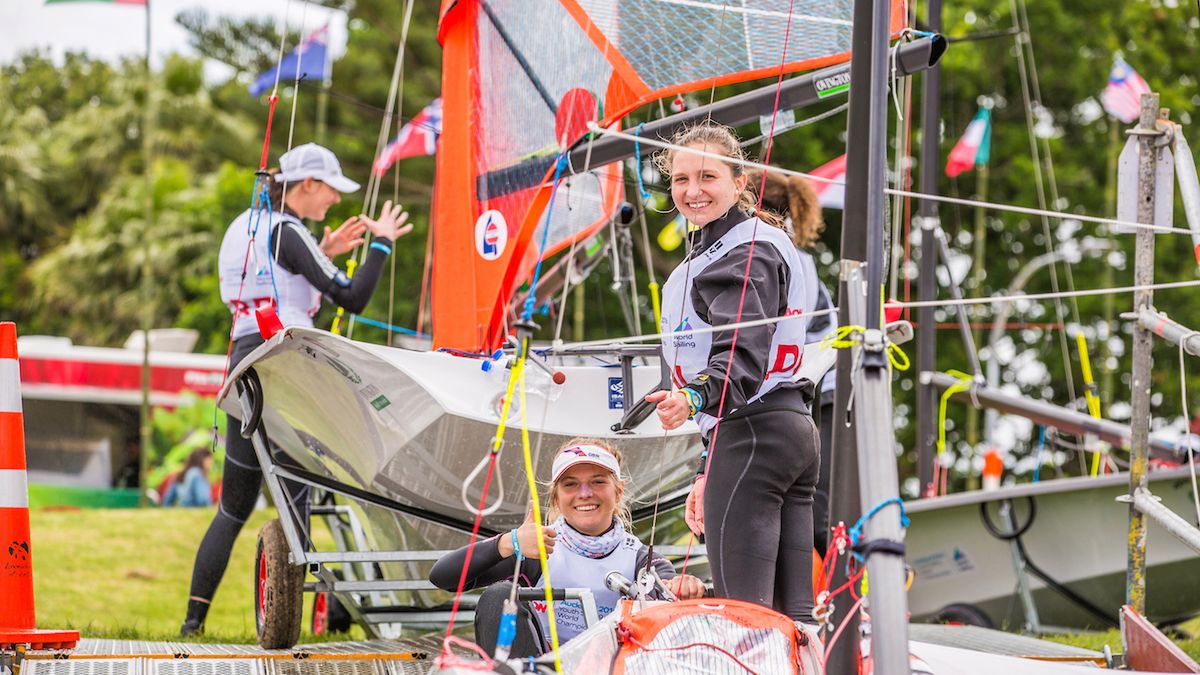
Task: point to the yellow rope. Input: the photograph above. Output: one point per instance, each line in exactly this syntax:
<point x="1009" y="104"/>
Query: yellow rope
<point x="336" y="328"/>
<point x="964" y="384"/>
<point x="841" y="338"/>
<point x="519" y="373"/>
<point x="1089" y="392"/>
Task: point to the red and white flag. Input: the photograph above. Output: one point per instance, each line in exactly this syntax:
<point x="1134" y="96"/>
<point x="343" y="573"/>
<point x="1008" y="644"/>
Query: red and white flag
<point x="1122" y="98"/>
<point x="418" y="137"/>
<point x="831" y="195"/>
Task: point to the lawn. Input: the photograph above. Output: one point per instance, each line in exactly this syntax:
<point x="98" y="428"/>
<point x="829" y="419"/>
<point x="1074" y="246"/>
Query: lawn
<point x="124" y="573"/>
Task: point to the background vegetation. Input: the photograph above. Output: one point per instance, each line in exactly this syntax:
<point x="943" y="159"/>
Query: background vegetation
<point x="73" y="235"/>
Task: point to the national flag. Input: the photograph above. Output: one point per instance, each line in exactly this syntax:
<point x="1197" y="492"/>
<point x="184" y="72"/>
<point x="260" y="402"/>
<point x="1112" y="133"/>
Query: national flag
<point x="975" y="146"/>
<point x="1122" y="98"/>
<point x="831" y="195"/>
<point x="418" y="137"/>
<point x="310" y="55"/>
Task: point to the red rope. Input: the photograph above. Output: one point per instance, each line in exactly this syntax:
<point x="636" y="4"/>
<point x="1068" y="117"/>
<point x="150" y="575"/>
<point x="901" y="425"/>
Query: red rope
<point x="462" y="578"/>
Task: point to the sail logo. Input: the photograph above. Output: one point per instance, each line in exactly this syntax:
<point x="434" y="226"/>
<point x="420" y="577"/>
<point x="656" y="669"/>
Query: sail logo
<point x="491" y="234"/>
<point x="834" y="84"/>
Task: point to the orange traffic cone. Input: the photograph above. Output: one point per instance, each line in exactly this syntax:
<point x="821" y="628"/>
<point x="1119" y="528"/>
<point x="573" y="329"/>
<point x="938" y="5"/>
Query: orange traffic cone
<point x="17" y="626"/>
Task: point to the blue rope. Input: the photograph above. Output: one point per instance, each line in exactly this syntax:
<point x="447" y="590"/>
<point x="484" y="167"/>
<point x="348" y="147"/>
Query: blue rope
<point x="395" y="329"/>
<point x="261" y="196"/>
<point x="637" y="152"/>
<point x="527" y="313"/>
<point x="1037" y="469"/>
<point x="856" y="531"/>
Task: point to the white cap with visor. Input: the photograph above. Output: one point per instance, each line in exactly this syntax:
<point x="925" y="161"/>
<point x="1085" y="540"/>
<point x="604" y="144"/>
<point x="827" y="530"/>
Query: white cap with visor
<point x="584" y="453"/>
<point x="313" y="161"/>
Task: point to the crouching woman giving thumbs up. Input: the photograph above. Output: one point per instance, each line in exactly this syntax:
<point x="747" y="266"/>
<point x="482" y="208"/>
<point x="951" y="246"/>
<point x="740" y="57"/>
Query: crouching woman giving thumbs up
<point x="585" y="541"/>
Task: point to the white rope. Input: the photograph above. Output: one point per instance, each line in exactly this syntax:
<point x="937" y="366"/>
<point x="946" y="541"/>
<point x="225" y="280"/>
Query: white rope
<point x="287" y="10"/>
<point x="903" y="193"/>
<point x="1187" y="415"/>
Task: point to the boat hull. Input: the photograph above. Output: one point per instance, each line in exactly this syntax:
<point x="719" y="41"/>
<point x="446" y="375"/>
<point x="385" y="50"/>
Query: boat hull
<point x="1077" y="538"/>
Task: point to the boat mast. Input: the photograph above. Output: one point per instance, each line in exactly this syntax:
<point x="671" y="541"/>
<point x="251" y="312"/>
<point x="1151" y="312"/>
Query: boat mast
<point x="862" y="263"/>
<point x="928" y="219"/>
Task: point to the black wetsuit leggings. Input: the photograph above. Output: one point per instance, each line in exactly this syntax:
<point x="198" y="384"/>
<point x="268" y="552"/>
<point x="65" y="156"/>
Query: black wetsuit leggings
<point x="240" y="487"/>
<point x="758" y="518"/>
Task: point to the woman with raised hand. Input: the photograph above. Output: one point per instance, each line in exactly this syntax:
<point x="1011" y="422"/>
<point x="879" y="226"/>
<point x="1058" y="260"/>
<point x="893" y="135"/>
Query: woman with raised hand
<point x="753" y="500"/>
<point x="585" y="541"/>
<point x="276" y="261"/>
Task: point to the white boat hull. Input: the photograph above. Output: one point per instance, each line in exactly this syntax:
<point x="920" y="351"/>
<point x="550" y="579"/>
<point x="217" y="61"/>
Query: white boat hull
<point x="1077" y="538"/>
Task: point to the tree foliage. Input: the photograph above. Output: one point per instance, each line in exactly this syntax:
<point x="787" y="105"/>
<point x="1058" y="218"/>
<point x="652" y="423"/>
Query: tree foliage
<point x="74" y="237"/>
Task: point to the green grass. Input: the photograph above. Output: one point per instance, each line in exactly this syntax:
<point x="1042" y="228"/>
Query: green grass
<point x="124" y="573"/>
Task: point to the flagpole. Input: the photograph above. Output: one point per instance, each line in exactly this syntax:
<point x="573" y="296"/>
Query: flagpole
<point x="147" y="311"/>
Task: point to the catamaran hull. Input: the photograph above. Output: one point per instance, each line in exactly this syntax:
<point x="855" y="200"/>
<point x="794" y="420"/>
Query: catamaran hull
<point x="1076" y="538"/>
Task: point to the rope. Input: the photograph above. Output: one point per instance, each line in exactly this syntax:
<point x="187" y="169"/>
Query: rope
<point x="965" y="382"/>
<point x="1023" y="41"/>
<point x="856" y="531"/>
<point x="537" y="520"/>
<point x="531" y="298"/>
<point x="840" y="338"/>
<point x="1186" y="416"/>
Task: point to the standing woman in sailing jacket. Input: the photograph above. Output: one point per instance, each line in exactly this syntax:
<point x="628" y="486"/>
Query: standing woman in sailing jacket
<point x="753" y="497"/>
<point x="277" y="261"/>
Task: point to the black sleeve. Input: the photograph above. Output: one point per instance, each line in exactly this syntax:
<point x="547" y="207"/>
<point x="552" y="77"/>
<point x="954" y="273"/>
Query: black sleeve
<point x="299" y="253"/>
<point x="716" y="294"/>
<point x="487" y="567"/>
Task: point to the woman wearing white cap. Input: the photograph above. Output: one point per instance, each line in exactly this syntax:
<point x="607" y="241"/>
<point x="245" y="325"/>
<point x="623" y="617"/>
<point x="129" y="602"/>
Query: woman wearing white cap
<point x="277" y="261"/>
<point x="586" y="540"/>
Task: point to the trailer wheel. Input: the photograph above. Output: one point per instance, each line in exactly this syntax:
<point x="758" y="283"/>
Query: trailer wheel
<point x="328" y="615"/>
<point x="278" y="590"/>
<point x="963" y="614"/>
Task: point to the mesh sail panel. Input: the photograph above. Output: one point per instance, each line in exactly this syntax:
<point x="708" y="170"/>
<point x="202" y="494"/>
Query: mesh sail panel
<point x="671" y="42"/>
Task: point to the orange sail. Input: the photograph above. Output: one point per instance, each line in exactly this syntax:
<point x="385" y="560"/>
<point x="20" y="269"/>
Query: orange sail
<point x="520" y="81"/>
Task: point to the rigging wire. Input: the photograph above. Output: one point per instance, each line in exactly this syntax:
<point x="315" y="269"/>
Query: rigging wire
<point x="1030" y="99"/>
<point x="1191" y="441"/>
<point x="566" y="348"/>
<point x="1119" y="225"/>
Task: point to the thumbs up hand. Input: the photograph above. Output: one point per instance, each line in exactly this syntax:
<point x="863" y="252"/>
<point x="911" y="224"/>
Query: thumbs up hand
<point x="527" y="539"/>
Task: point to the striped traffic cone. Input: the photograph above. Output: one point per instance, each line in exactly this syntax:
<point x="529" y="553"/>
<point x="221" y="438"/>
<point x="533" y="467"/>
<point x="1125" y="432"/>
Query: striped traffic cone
<point x="17" y="626"/>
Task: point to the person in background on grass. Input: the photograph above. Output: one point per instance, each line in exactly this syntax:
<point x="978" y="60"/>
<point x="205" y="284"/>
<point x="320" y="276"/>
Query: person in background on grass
<point x="191" y="487"/>
<point x="280" y="264"/>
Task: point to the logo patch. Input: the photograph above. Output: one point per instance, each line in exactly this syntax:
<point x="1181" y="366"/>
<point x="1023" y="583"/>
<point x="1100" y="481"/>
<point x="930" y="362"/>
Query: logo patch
<point x="491" y="234"/>
<point x="616" y="393"/>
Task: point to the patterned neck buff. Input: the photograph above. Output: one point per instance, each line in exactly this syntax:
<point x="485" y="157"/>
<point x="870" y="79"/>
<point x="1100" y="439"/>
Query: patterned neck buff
<point x="599" y="546"/>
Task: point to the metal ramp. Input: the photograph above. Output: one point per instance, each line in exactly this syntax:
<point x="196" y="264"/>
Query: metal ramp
<point x="411" y="656"/>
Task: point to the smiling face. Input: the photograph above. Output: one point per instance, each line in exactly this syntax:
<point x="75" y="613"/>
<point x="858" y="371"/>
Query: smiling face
<point x="703" y="188"/>
<point x="587" y="495"/>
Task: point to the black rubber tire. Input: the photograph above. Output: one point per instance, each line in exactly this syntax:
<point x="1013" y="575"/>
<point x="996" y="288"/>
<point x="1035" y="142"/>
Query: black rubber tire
<point x="278" y="590"/>
<point x="337" y="618"/>
<point x="963" y="614"/>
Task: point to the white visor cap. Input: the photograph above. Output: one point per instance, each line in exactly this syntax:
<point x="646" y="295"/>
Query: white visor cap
<point x="584" y="453"/>
<point x="313" y="161"/>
